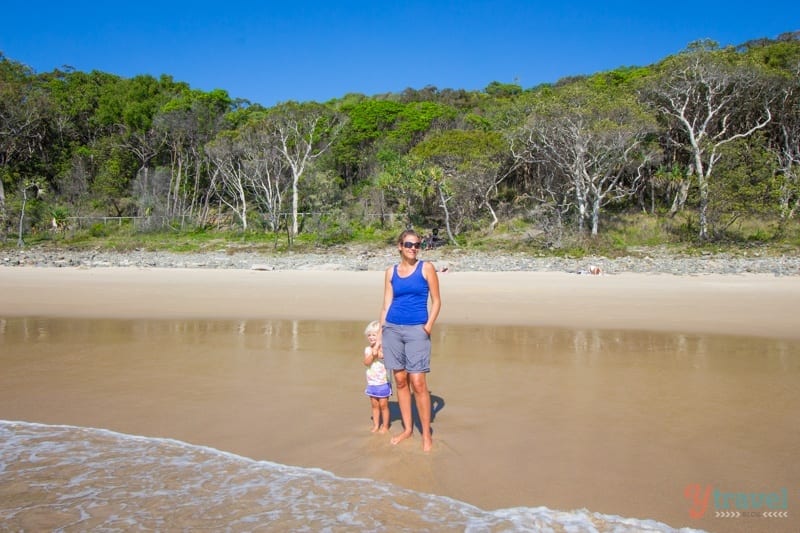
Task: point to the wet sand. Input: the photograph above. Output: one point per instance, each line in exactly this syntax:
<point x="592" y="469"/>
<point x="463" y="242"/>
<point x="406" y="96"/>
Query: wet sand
<point x="629" y="451"/>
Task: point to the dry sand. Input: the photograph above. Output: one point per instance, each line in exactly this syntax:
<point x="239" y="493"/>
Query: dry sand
<point x="752" y="304"/>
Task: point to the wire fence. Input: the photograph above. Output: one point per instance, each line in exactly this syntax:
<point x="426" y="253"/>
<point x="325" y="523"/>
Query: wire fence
<point x="161" y="221"/>
<point x="84" y="222"/>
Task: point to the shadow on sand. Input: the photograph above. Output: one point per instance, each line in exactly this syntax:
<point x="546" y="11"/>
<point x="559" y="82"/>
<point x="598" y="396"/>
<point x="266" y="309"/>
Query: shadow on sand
<point x="437" y="404"/>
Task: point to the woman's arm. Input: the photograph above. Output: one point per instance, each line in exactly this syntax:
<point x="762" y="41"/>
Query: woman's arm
<point x="429" y="272"/>
<point x="388" y="295"/>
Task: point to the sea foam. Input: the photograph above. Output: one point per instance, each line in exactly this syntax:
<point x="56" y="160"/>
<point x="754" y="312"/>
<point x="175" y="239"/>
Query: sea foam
<point x="66" y="478"/>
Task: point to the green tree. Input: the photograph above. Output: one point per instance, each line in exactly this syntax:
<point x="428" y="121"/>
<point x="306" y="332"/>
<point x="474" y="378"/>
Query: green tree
<point x="406" y="187"/>
<point x="594" y="139"/>
<point x="23" y="110"/>
<point x="28" y="186"/>
<point x="783" y="139"/>
<point x="497" y="89"/>
<point x="76" y="99"/>
<point x="474" y="163"/>
<point x="110" y="188"/>
<point x="415" y="120"/>
<point x="187" y="123"/>
<point x="377" y="125"/>
<point x="229" y="174"/>
<point x="747" y="185"/>
<point x="709" y="98"/>
<point x="301" y="133"/>
<point x="355" y="149"/>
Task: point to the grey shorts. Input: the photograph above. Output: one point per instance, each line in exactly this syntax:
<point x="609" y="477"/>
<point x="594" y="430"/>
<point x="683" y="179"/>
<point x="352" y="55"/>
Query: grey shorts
<point x="406" y="348"/>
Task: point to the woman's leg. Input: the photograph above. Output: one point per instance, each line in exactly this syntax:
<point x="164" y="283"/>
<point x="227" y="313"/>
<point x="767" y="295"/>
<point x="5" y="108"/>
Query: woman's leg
<point x="384" y="404"/>
<point x="422" y="396"/>
<point x="404" y="401"/>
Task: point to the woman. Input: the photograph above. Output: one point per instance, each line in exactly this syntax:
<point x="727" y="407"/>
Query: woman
<point x="406" y="331"/>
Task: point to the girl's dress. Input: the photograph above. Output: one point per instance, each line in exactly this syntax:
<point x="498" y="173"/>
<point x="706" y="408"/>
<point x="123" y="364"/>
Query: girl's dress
<point x="378" y="385"/>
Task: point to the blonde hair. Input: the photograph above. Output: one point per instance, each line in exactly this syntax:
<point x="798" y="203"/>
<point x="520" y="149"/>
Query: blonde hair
<point x="373" y="326"/>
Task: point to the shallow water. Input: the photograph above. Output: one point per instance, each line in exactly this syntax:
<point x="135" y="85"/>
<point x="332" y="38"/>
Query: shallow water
<point x="78" y="479"/>
<point x="533" y="419"/>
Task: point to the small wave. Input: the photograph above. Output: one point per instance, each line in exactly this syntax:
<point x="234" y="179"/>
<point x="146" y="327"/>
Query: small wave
<point x="66" y="478"/>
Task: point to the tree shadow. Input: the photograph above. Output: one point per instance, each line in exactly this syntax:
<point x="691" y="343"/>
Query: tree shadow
<point x="437" y="404"/>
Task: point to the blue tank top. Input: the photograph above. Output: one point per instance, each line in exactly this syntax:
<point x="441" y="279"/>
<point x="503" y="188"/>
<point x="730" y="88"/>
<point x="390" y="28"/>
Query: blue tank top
<point x="409" y="305"/>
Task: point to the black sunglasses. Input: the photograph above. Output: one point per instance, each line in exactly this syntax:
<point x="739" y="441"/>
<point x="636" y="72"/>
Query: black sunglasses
<point x="409" y="244"/>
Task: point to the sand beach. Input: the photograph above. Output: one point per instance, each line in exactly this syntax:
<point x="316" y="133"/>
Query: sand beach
<point x="747" y="304"/>
<point x="478" y="448"/>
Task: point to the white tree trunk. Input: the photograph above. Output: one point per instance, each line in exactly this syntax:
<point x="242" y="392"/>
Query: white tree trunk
<point x="2" y="209"/>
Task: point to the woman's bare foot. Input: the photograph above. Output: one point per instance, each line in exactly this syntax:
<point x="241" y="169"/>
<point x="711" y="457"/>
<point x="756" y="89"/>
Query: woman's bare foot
<point x="374" y="429"/>
<point x="401" y="437"/>
<point x="383" y="429"/>
<point x="427" y="444"/>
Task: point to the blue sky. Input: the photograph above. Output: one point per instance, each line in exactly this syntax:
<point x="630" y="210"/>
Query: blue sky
<point x="269" y="52"/>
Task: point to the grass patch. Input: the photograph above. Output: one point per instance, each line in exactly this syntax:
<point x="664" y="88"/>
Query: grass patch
<point x="635" y="234"/>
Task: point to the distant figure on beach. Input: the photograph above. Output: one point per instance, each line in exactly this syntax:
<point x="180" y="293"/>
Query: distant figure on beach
<point x="432" y="240"/>
<point x="406" y="331"/>
<point x="378" y="387"/>
<point x="592" y="270"/>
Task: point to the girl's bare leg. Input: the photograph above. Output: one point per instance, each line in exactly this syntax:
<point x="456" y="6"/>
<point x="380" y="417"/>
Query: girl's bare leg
<point x="376" y="414"/>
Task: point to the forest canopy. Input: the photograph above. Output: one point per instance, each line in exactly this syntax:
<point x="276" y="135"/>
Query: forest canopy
<point x="709" y="136"/>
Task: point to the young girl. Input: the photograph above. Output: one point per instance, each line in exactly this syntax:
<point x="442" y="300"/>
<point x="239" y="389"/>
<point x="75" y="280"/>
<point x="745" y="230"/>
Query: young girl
<point x="378" y="387"/>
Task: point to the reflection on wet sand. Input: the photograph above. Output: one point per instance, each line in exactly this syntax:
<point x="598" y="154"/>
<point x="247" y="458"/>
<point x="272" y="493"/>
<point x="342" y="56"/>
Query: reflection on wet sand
<point x="614" y="421"/>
